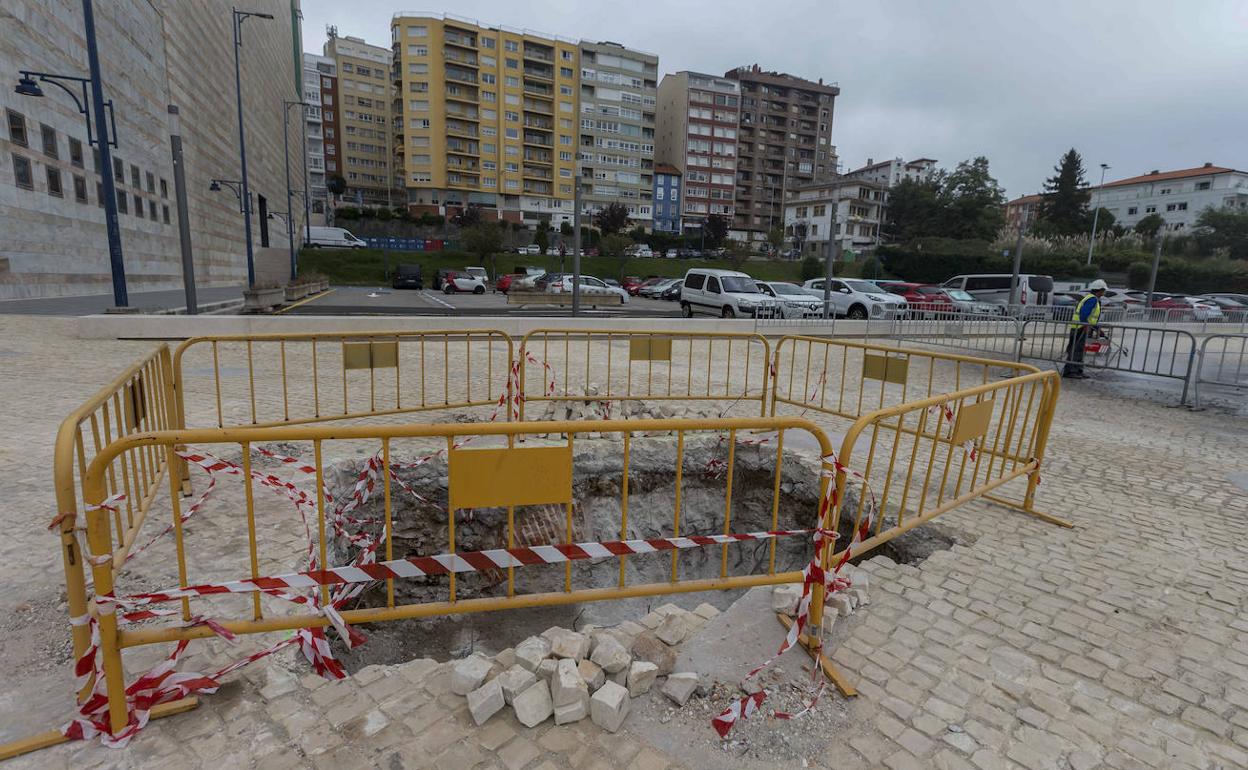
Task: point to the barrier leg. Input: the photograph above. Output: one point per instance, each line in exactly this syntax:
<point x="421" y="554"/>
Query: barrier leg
<point x="55" y="737"/>
<point x="808" y="644"/>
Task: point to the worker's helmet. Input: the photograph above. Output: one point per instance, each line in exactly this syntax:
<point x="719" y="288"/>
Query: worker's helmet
<point x="1097" y="285"/>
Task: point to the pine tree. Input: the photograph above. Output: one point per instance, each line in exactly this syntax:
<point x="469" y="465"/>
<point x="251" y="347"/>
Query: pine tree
<point x="1064" y="210"/>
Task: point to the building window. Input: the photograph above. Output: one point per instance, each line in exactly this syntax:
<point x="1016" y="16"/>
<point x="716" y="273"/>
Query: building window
<point x="75" y="152"/>
<point x="412" y="50"/>
<point x="164" y="213"/>
<point x="1150" y="209"/>
<point x="263" y="204"/>
<point x="54" y="183"/>
<point x="511" y="45"/>
<point x="513" y="133"/>
<point x="1202" y="185"/>
<point x="151" y="210"/>
<point x="565" y="55"/>
<point x="421" y="31"/>
<point x="487" y="42"/>
<point x="21" y="171"/>
<point x="17" y="128"/>
<point x="80" y="188"/>
<point x="151" y="184"/>
<point x="513" y="64"/>
<point x="164" y="189"/>
<point x="488" y="79"/>
<point x="99" y="195"/>
<point x="512" y="117"/>
<point x="119" y="170"/>
<point x="123" y="203"/>
<point x="48" y="135"/>
<point x="1164" y="191"/>
<point x="134" y="177"/>
<point x="1132" y="210"/>
<point x="1182" y="207"/>
<point x="512" y="82"/>
<point x="138" y="206"/>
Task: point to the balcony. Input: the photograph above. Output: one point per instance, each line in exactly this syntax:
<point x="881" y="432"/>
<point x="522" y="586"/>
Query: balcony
<point x="459" y="57"/>
<point x="466" y="182"/>
<point x="462" y="113"/>
<point x="468" y="95"/>
<point x="460" y="40"/>
<point x="537" y="188"/>
<point x="538" y="156"/>
<point x="461" y="129"/>
<point x="539" y="141"/>
<point x="539" y="124"/>
<point x="537" y="173"/>
<point x="456" y="165"/>
<point x="460" y="76"/>
<point x="538" y="89"/>
<point x="540" y="107"/>
<point x="543" y="73"/>
<point x="462" y="148"/>
<point x="537" y="54"/>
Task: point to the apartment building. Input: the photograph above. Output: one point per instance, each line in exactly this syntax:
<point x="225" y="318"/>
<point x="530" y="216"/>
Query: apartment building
<point x="618" y="98"/>
<point x="667" y="199"/>
<point x="858" y="207"/>
<point x="1177" y="196"/>
<point x="1023" y="210"/>
<point x="890" y="173"/>
<point x="319" y="77"/>
<point x="485" y="116"/>
<point x="153" y="54"/>
<point x="784" y="140"/>
<point x="696" y="132"/>
<point x="363" y="100"/>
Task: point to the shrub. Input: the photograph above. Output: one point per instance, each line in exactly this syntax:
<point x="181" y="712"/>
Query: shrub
<point x="1137" y="275"/>
<point x="812" y="267"/>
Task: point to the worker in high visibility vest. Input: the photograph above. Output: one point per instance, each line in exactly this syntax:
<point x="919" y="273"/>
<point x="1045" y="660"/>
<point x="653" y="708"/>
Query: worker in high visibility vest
<point x="1086" y="316"/>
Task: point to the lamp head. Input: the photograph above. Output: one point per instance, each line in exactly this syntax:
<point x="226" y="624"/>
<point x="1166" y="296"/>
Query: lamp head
<point x="26" y="86"/>
<point x="1105" y="166"/>
<point x="263" y="15"/>
<point x="214" y="187"/>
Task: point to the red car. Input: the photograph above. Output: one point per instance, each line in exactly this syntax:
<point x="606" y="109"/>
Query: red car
<point x="504" y="283"/>
<point x="631" y="284"/>
<point x="921" y="297"/>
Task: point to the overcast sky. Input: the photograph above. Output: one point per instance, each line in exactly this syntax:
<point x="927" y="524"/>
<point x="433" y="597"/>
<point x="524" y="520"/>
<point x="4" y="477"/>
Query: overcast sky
<point x="1138" y="85"/>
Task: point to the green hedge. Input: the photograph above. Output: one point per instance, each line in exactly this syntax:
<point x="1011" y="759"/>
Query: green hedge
<point x="1193" y="276"/>
<point x="934" y="265"/>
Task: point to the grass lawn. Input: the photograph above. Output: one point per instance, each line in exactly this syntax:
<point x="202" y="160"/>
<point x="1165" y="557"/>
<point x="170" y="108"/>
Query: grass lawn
<point x="367" y="267"/>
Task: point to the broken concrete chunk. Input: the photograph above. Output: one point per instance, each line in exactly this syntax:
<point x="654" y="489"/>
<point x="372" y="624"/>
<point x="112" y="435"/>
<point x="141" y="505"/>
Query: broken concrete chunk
<point x="609" y="706"/>
<point x="641" y="676"/>
<point x="648" y="647"/>
<point x="860" y="596"/>
<point x="469" y="673"/>
<point x="486" y="701"/>
<point x="514" y="681"/>
<point x="784" y="598"/>
<point x="610" y="654"/>
<point x="567" y="686"/>
<point x="531" y="652"/>
<point x="592" y="673"/>
<point x="569" y="644"/>
<point x="533" y="706"/>
<point x="674" y="629"/>
<point x="680" y="687"/>
<point x="840" y="602"/>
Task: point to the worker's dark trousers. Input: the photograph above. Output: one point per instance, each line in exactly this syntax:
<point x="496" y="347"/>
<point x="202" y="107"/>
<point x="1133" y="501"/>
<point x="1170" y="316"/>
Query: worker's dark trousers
<point x="1074" y="351"/>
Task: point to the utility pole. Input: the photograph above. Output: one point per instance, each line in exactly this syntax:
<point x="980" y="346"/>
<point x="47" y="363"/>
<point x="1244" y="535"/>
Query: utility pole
<point x="1152" y="276"/>
<point x="184" y="219"/>
<point x="1097" y="213"/>
<point x="830" y="258"/>
<point x="239" y="17"/>
<point x="1018" y="260"/>
<point x="576" y="245"/>
<point x="112" y="225"/>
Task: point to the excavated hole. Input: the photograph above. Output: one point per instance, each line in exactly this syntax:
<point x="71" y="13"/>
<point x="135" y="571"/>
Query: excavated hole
<point x="420" y="528"/>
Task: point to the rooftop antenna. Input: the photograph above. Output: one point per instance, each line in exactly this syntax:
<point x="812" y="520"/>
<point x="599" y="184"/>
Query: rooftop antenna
<point x="331" y="30"/>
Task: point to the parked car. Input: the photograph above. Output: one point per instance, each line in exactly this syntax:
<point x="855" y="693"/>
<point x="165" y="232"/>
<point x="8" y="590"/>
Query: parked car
<point x="505" y="282"/>
<point x="793" y="300"/>
<point x="532" y="248"/>
<point x="672" y="292"/>
<point x="1198" y="308"/>
<point x="1229" y="306"/>
<point x="463" y="283"/>
<point x="651" y="281"/>
<point x="725" y="293"/>
<point x="591" y="287"/>
<point x="965" y="303"/>
<point x="1240" y="298"/>
<point x="333" y="237"/>
<point x="440" y="277"/>
<point x="653" y="290"/>
<point x="923" y="298"/>
<point x="543" y="281"/>
<point x="1035" y="291"/>
<point x="479" y="272"/>
<point x="611" y="282"/>
<point x="407" y="277"/>
<point x="860" y="300"/>
<point x="672" y="253"/>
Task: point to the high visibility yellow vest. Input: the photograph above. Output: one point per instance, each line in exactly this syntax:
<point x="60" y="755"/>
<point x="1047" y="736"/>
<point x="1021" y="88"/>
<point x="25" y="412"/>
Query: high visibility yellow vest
<point x="1095" y="315"/>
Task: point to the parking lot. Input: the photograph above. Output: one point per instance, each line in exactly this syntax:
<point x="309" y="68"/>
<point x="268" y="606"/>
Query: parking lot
<point x="363" y="300"/>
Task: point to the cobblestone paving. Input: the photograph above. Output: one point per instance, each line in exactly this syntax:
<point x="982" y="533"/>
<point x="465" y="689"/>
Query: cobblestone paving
<point x="1122" y="643"/>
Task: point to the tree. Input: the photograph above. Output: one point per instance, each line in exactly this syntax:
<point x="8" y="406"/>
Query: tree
<point x="611" y="218"/>
<point x="812" y="267"/>
<point x="775" y="238"/>
<point x="638" y="234"/>
<point x="915" y="208"/>
<point x="470" y="216"/>
<point x="484" y="240"/>
<point x="972" y="201"/>
<point x="1064" y="210"/>
<point x="715" y="228"/>
<point x="614" y="245"/>
<point x="565" y="229"/>
<point x="336" y="184"/>
<point x="1149" y="225"/>
<point x="738" y="252"/>
<point x="1224" y="228"/>
<point x="542" y="238"/>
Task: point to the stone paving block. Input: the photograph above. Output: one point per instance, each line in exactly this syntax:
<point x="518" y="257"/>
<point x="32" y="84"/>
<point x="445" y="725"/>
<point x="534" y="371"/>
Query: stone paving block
<point x="784" y="598"/>
<point x="674" y="629"/>
<point x="534" y="705"/>
<point x="593" y="675"/>
<point x="705" y="611"/>
<point x="680" y="687"/>
<point x="569" y="644"/>
<point x="567" y="686"/>
<point x="572" y="712"/>
<point x="547" y="669"/>
<point x="486" y="701"/>
<point x="610" y="655"/>
<point x="649" y="648"/>
<point x="641" y="676"/>
<point x="609" y="706"/>
<point x="469" y="673"/>
<point x="514" y="681"/>
<point x="531" y="652"/>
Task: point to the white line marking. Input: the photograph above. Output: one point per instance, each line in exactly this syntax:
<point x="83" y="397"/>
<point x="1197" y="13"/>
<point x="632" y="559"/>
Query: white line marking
<point x="435" y="298"/>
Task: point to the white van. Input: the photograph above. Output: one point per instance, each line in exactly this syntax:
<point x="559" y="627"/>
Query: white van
<point x="333" y="237"/>
<point x="725" y="293"/>
<point x="1034" y="290"/>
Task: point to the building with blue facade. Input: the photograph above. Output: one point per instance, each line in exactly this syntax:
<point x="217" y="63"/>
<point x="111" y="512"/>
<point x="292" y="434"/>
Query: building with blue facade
<point x="666" y="198"/>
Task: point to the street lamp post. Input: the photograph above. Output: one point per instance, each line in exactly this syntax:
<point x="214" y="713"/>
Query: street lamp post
<point x="235" y="186"/>
<point x="102" y="134"/>
<point x="1097" y="213"/>
<point x="290" y="225"/>
<point x="239" y="17"/>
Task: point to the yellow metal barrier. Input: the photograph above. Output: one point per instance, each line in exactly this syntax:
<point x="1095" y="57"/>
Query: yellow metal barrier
<point x="614" y="365"/>
<point x="140" y="399"/>
<point x="535" y="473"/>
<point x="291" y="379"/>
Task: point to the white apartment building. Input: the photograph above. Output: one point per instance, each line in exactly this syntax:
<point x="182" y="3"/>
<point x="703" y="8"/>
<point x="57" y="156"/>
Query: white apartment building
<point x="858" y="207"/>
<point x="889" y="173"/>
<point x="1177" y="196"/>
<point x="314" y="68"/>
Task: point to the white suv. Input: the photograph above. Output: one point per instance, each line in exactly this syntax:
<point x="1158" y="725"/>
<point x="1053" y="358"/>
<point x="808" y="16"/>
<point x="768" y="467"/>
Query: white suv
<point x="725" y="293"/>
<point x="859" y="300"/>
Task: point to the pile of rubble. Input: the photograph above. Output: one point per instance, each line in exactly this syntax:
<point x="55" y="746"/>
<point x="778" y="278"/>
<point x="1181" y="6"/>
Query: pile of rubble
<point x="593" y="673"/>
<point x="785" y="598"/>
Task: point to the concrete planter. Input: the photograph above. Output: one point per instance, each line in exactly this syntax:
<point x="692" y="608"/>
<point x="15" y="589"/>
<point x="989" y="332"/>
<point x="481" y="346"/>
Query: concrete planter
<point x="261" y="300"/>
<point x="296" y="291"/>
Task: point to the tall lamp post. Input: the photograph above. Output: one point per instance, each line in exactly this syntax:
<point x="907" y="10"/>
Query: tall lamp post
<point x="103" y="135"/>
<point x="235" y="186"/>
<point x="290" y="225"/>
<point x="245" y="197"/>
<point x="1096" y="214"/>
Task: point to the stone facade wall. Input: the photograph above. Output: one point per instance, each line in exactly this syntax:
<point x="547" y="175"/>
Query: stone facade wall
<point x="152" y="54"/>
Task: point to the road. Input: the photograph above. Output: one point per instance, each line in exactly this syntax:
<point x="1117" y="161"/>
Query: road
<point x="361" y="300"/>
